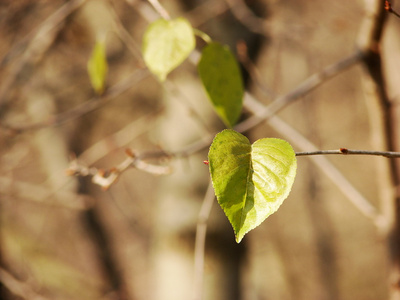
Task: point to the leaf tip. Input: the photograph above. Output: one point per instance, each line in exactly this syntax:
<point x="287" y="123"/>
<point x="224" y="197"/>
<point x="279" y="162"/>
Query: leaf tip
<point x="239" y="238"/>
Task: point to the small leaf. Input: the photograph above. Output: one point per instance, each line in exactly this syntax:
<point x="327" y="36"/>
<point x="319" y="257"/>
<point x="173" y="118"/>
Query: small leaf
<point x="250" y="181"/>
<point x="97" y="67"/>
<point x="222" y="80"/>
<point x="166" y="44"/>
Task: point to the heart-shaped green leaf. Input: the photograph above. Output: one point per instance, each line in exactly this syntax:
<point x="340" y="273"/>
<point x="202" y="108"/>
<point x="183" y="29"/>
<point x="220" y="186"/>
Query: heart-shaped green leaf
<point x="222" y="80"/>
<point x="97" y="67"/>
<point x="166" y="44"/>
<point x="250" y="181"/>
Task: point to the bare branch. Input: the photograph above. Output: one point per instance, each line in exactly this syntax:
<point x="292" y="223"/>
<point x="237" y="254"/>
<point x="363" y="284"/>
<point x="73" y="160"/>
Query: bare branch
<point x="346" y="151"/>
<point x="40" y="41"/>
<point x="301" y="90"/>
<point x="388" y="7"/>
<point x="106" y="178"/>
<point x="245" y="16"/>
<point x="43" y="195"/>
<point x="160" y="9"/>
<point x="88" y="106"/>
<point x="199" y="247"/>
<point x="124" y="34"/>
<point x="337" y="178"/>
<point x="18" y="288"/>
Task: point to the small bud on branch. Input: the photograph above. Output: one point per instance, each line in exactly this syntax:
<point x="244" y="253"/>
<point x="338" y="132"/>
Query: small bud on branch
<point x="388" y="7"/>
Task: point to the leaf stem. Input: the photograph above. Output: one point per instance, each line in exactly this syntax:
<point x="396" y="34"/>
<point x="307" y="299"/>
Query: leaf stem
<point x="204" y="36"/>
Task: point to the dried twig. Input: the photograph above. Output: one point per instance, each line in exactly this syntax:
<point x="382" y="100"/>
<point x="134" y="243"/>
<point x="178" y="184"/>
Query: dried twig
<point x="106" y="178"/>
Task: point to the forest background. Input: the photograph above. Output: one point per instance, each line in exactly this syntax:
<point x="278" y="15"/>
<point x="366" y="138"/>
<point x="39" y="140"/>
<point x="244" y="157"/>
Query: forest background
<point x="64" y="237"/>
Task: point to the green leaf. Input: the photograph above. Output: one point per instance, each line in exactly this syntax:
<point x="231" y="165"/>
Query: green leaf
<point x="250" y="181"/>
<point x="97" y="67"/>
<point x="222" y="80"/>
<point x="166" y="44"/>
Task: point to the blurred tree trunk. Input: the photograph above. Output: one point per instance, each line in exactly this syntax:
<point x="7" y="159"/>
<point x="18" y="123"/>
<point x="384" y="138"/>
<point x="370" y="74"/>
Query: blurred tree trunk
<point x="385" y="120"/>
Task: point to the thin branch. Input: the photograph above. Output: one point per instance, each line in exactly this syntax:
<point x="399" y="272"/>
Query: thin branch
<point x="302" y="143"/>
<point x="199" y="248"/>
<point x="330" y="171"/>
<point x="254" y="73"/>
<point x="106" y="178"/>
<point x="301" y="90"/>
<point x="18" y="288"/>
<point x="205" y="11"/>
<point x="119" y="139"/>
<point x="245" y="16"/>
<point x="384" y="117"/>
<point x="42" y="195"/>
<point x="124" y="34"/>
<point x="160" y="9"/>
<point x="39" y="43"/>
<point x="346" y="151"/>
<point x="388" y="7"/>
<point x="86" y="107"/>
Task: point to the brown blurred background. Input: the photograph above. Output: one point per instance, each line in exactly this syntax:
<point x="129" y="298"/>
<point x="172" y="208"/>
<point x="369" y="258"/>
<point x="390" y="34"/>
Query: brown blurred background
<point x="63" y="237"/>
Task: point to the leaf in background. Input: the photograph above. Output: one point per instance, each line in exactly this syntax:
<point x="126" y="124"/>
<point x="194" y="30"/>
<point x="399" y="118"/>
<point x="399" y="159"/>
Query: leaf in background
<point x="221" y="77"/>
<point x="250" y="181"/>
<point x="97" y="67"/>
<point x="166" y="44"/>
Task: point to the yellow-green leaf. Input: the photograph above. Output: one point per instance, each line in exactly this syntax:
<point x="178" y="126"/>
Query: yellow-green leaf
<point x="222" y="80"/>
<point x="97" y="67"/>
<point x="250" y="181"/>
<point x="166" y="44"/>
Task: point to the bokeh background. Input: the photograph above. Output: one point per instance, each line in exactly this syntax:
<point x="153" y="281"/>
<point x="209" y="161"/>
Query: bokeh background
<point x="63" y="237"/>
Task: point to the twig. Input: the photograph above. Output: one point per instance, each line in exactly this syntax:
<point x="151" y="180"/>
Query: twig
<point x="199" y="247"/>
<point x="39" y="43"/>
<point x="301" y="90"/>
<point x="119" y="139"/>
<point x="346" y="151"/>
<point x="205" y="11"/>
<point x="43" y="195"/>
<point x="88" y="106"/>
<point x="251" y="69"/>
<point x="18" y="288"/>
<point x="297" y="139"/>
<point x="245" y="16"/>
<point x="330" y="171"/>
<point x="106" y="178"/>
<point x="388" y="7"/>
<point x="124" y="34"/>
<point x="160" y="9"/>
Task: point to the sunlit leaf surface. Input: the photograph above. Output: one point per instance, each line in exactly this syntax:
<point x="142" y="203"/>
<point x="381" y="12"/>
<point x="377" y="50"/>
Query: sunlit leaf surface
<point x="250" y="181"/>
